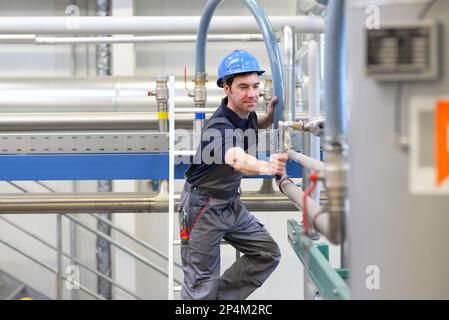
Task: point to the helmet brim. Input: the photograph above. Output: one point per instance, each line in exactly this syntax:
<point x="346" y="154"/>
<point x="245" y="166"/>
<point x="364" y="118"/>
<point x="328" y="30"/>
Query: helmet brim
<point x="220" y="80"/>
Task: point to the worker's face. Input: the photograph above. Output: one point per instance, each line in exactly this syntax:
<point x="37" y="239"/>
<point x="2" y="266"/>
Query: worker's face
<point x="243" y="93"/>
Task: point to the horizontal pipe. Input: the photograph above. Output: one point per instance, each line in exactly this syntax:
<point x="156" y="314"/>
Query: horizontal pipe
<point x="305" y="161"/>
<point x="93" y="121"/>
<point x="140" y="39"/>
<point x="314" y="212"/>
<point x="92" y="94"/>
<point x="116" y="203"/>
<point x="149" y="24"/>
<point x="43" y="40"/>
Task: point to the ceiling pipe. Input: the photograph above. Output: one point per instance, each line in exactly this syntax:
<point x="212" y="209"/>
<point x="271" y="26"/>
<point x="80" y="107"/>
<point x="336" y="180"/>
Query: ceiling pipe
<point x="159" y="25"/>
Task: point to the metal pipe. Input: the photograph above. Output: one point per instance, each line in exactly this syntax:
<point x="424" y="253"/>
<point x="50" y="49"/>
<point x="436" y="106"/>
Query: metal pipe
<point x="306" y="161"/>
<point x="69" y="256"/>
<point x="39" y="40"/>
<point x="83" y="25"/>
<point x="289" y="71"/>
<point x="289" y="83"/>
<point x="162" y="100"/>
<point x="315" y="214"/>
<point x="336" y="122"/>
<point x="119" y="246"/>
<point x="270" y="44"/>
<point x="91" y="94"/>
<point x="116" y="203"/>
<point x="82" y="121"/>
<point x="313" y="67"/>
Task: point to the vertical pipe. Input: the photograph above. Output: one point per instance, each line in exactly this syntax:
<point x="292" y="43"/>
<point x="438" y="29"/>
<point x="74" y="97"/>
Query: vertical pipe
<point x="335" y="131"/>
<point x="270" y="44"/>
<point x="289" y="82"/>
<point x="59" y="278"/>
<point x="171" y="186"/>
<point x="313" y="67"/>
<point x="104" y="259"/>
<point x="289" y="73"/>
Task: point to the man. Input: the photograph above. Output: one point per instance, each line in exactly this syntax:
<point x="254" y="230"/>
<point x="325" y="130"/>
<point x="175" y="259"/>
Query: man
<point x="210" y="207"/>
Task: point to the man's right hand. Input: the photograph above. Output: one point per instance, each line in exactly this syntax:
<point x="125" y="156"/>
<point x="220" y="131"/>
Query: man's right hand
<point x="276" y="165"/>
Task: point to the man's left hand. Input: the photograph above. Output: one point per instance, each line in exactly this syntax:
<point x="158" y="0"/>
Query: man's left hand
<point x="270" y="106"/>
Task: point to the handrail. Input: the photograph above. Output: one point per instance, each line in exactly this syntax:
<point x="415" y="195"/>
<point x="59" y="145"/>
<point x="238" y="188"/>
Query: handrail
<point x="118" y="245"/>
<point x="130" y="236"/>
<point x="49" y="268"/>
<point x="107" y="238"/>
<point x="36" y="237"/>
<point x="122" y="231"/>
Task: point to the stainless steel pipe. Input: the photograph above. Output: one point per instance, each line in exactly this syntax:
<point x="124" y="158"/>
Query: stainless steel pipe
<point x="308" y="162"/>
<point x="91" y="94"/>
<point x="149" y="25"/>
<point x="42" y="40"/>
<point x="91" y="121"/>
<point x="117" y="202"/>
<point x="314" y="214"/>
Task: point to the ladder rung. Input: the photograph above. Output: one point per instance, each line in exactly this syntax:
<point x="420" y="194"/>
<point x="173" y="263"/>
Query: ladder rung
<point x="177" y="288"/>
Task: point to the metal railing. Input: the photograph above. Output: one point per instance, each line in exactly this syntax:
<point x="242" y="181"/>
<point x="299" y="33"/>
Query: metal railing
<point x="58" y="248"/>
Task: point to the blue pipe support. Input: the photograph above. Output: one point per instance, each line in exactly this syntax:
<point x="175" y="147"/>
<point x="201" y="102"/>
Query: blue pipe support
<point x="274" y="54"/>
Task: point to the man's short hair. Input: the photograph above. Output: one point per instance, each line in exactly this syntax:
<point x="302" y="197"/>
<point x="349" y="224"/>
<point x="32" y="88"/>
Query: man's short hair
<point x="229" y="79"/>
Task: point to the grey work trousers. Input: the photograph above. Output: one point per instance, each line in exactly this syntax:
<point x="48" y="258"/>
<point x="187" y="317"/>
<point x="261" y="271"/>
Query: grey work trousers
<point x="209" y="220"/>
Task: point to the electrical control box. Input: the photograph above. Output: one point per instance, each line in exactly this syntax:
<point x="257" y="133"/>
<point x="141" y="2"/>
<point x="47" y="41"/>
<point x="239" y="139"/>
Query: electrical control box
<point x="407" y="51"/>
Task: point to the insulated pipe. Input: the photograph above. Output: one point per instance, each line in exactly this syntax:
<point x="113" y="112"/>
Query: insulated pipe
<point x="314" y="212"/>
<point x="116" y="203"/>
<point x="157" y="25"/>
<point x="98" y="94"/>
<point x="305" y="161"/>
<point x="85" y="121"/>
<point x="270" y="44"/>
<point x="335" y="129"/>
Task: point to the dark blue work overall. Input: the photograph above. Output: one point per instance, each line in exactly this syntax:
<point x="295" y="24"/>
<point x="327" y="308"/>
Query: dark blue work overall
<point x="211" y="210"/>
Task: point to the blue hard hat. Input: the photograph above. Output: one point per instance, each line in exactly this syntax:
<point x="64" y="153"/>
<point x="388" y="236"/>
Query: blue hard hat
<point x="238" y="61"/>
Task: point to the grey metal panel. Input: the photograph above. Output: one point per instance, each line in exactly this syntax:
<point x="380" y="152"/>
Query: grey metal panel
<point x="405" y="236"/>
<point x="103" y="142"/>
